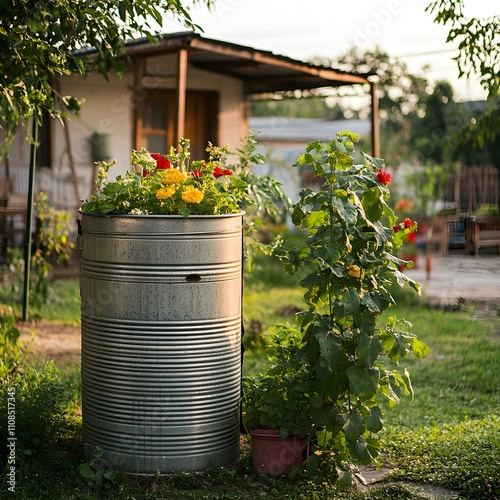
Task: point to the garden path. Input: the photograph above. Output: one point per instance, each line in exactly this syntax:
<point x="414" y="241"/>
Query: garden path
<point x="459" y="277"/>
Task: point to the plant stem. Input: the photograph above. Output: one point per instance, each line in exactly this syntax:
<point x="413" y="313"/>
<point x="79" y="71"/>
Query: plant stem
<point x="330" y="292"/>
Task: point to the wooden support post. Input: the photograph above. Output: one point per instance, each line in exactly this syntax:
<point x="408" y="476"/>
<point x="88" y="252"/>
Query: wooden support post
<point x="69" y="147"/>
<point x="375" y="136"/>
<point x="137" y="98"/>
<point x="181" y="90"/>
<point x="71" y="160"/>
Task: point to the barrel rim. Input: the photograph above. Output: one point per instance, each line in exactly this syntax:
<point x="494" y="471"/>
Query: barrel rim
<point x="161" y="216"/>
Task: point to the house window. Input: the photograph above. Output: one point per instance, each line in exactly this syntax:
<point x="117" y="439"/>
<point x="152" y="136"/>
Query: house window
<point x="156" y="121"/>
<point x="157" y="115"/>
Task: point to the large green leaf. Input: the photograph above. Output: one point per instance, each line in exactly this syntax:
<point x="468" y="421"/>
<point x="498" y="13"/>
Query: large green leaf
<point x="354" y="427"/>
<point x="346" y="210"/>
<point x="375" y="420"/>
<point x="313" y="219"/>
<point x="373" y="202"/>
<point x="331" y="354"/>
<point x="350" y="301"/>
<point x="360" y="451"/>
<point x="366" y="321"/>
<point x="419" y="348"/>
<point x="363" y="381"/>
<point x="369" y="349"/>
<point x="304" y="159"/>
<point x="370" y="304"/>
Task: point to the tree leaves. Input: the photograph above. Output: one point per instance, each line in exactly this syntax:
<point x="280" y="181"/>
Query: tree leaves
<point x="477" y="39"/>
<point x="41" y="40"/>
<point x="331" y="354"/>
<point x="368" y="349"/>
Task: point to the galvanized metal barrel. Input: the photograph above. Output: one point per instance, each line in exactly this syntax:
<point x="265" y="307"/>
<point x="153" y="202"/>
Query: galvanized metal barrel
<point x="161" y="334"/>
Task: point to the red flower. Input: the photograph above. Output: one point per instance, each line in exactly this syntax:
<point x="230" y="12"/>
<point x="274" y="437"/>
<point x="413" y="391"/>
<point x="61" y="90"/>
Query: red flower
<point x="161" y="161"/>
<point x="395" y="228"/>
<point x="408" y="223"/>
<point x="196" y="173"/>
<point x="383" y="177"/>
<point x="219" y="172"/>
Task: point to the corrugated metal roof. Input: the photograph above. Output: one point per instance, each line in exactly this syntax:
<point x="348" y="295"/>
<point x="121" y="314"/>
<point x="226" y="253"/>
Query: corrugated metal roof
<point x="304" y="129"/>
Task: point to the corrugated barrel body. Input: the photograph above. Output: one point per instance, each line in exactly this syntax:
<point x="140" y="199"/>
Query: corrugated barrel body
<point x="161" y="340"/>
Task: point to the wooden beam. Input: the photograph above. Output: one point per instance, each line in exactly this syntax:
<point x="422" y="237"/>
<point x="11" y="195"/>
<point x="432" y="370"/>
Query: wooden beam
<point x="270" y="59"/>
<point x="181" y="91"/>
<point x="375" y="135"/>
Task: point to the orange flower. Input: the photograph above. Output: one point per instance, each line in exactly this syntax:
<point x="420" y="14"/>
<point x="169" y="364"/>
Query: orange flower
<point x="403" y="204"/>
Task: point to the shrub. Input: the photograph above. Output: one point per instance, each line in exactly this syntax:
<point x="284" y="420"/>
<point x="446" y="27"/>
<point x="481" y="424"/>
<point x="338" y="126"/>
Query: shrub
<point x="34" y="405"/>
<point x="12" y="351"/>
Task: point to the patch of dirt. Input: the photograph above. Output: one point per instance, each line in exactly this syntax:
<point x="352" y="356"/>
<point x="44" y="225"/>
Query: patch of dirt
<point x="62" y="343"/>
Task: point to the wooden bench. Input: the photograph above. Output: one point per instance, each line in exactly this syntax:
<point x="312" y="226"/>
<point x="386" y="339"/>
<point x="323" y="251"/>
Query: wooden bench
<point x="484" y="237"/>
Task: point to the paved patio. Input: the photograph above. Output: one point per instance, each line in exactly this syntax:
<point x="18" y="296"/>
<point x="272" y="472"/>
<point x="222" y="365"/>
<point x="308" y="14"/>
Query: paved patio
<point x="459" y="277"/>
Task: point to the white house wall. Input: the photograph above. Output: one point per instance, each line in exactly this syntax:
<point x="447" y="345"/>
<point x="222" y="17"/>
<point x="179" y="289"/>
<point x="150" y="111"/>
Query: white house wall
<point x="107" y="110"/>
<point x="19" y="160"/>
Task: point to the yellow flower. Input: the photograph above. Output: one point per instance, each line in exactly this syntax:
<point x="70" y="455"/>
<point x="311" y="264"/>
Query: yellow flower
<point x="164" y="193"/>
<point x="192" y="195"/>
<point x="354" y="270"/>
<point x="173" y="176"/>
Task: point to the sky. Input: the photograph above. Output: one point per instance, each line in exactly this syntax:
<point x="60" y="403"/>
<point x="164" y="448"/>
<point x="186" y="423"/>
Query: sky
<point x="304" y="29"/>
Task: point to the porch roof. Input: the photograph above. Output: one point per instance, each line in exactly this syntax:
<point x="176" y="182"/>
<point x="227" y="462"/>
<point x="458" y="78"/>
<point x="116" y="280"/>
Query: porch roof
<point x="261" y="71"/>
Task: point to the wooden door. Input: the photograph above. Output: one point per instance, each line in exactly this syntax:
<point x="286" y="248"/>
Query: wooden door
<point x="156" y="121"/>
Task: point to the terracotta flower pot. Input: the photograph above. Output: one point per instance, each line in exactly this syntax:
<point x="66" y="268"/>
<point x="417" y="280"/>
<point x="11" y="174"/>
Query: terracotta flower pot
<point x="273" y="455"/>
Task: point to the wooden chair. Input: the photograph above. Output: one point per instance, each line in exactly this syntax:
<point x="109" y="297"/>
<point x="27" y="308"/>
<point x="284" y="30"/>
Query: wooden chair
<point x="13" y="213"/>
<point x="437" y="236"/>
<point x="5" y="190"/>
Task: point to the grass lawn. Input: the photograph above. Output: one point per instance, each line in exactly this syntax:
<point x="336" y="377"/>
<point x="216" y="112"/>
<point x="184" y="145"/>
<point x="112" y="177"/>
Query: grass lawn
<point x="449" y="435"/>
